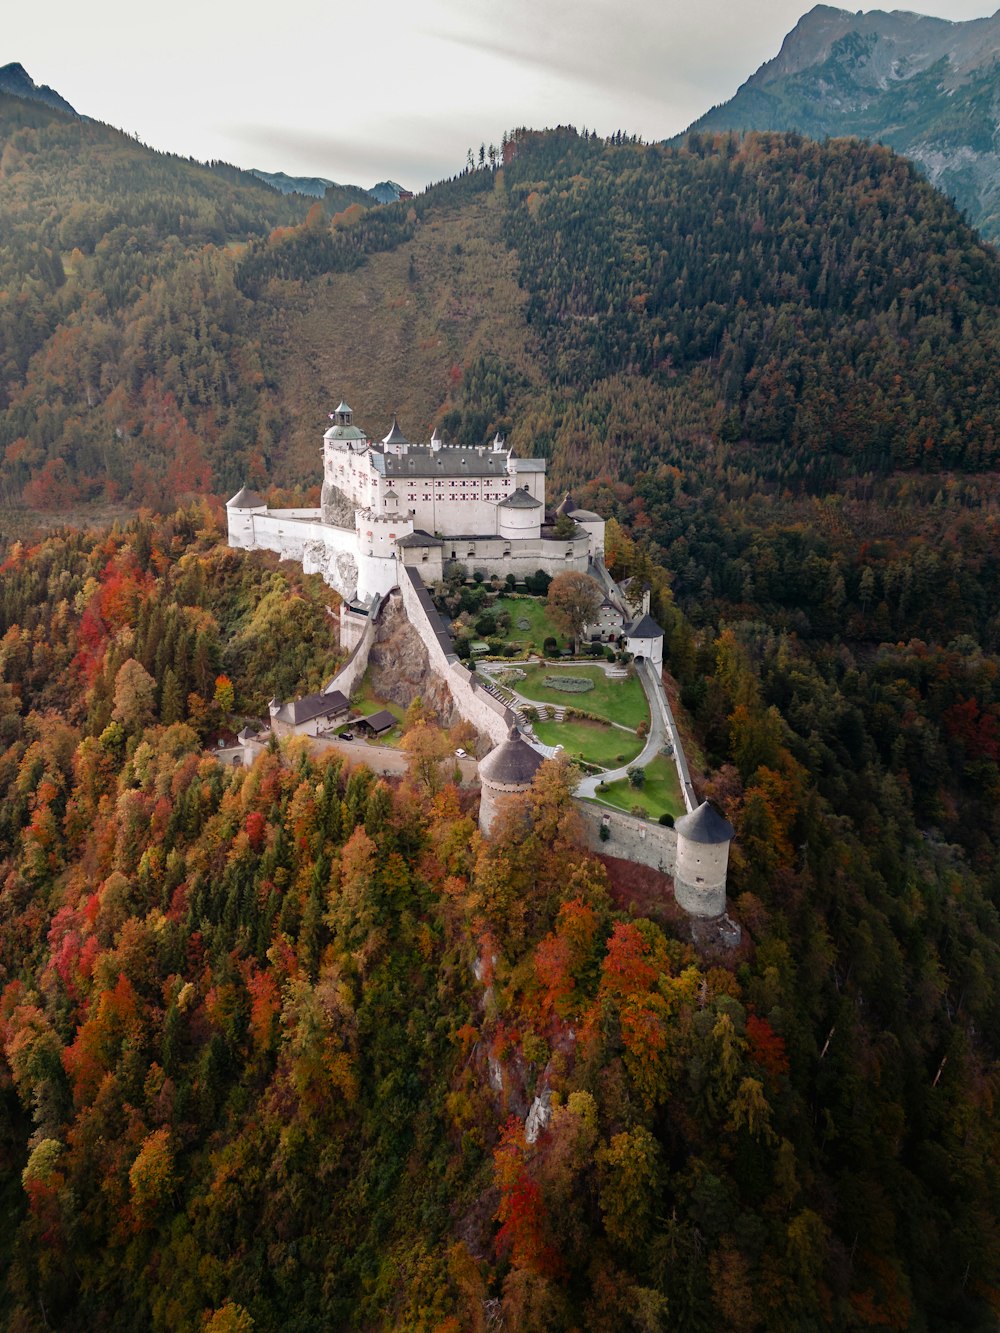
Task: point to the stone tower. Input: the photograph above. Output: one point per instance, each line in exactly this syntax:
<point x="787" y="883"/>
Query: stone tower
<point x="505" y="771"/>
<point x="703" y="839"/>
<point x="240" y="511"/>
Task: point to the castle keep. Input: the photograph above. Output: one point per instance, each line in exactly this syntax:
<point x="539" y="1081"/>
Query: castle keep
<point x="390" y="503"/>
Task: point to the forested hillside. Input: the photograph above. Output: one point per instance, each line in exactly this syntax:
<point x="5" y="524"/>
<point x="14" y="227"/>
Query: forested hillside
<point x="269" y="1038"/>
<point x="126" y="369"/>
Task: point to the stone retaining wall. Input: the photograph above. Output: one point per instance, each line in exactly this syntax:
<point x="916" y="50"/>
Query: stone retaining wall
<point x="630" y="839"/>
<point x="487" y="714"/>
<point x="349" y="677"/>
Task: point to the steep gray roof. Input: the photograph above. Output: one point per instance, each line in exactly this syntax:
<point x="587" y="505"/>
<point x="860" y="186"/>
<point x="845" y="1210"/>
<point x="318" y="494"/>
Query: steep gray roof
<point x="528" y="464"/>
<point x="585" y="516"/>
<point x="245" y="499"/>
<point x="419" y="538"/>
<point x="395" y="435"/>
<point x="312" y="706"/>
<point x="514" y="763"/>
<point x="704" y="825"/>
<point x="343" y="406"/>
<point x="520" y="499"/>
<point x="421" y="461"/>
<point x="644" y="628"/>
<point x="567" y="506"/>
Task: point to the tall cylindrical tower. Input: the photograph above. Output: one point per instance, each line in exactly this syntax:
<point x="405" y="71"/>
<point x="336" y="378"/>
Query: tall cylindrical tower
<point x="703" y="839"/>
<point x="506" y="770"/>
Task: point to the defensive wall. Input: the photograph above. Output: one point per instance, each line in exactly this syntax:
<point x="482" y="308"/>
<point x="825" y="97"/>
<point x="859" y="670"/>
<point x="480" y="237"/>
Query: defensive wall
<point x="659" y="695"/>
<point x="486" y="713"/>
<point x="629" y="839"/>
<point x="349" y="677"/>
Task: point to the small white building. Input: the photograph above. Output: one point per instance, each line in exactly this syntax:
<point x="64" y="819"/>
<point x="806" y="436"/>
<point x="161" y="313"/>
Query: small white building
<point x="309" y="716"/>
<point x="644" y="638"/>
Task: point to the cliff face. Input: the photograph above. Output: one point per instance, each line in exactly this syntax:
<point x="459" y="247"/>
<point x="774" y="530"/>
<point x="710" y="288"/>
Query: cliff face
<point x="927" y="87"/>
<point x="399" y="669"/>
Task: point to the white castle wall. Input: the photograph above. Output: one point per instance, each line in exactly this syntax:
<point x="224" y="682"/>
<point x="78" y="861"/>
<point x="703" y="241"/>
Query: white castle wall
<point x="486" y="713"/>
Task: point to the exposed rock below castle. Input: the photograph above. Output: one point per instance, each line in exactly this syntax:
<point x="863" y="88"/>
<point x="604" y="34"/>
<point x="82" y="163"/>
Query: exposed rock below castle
<point x="399" y="669"/>
<point x="336" y="507"/>
<point x="338" y="568"/>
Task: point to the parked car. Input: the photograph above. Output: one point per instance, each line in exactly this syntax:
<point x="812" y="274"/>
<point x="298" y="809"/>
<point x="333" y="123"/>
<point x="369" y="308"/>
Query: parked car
<point x="460" y="754"/>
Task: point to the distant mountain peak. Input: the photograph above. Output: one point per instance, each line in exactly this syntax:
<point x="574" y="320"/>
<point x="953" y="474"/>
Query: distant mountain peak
<point x="17" y="82"/>
<point x="926" y="86"/>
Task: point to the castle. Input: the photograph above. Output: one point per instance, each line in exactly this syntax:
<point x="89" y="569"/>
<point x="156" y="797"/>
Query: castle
<point x="392" y="515"/>
<point x="390" y="503"/>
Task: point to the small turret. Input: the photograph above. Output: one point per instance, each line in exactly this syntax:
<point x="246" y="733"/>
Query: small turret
<point x="240" y="512"/>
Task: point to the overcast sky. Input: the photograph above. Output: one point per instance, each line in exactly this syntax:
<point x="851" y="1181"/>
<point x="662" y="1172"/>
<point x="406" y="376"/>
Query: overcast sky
<point x="361" y="92"/>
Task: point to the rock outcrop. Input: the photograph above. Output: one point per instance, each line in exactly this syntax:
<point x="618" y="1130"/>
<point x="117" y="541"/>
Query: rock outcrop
<point x="399" y="668"/>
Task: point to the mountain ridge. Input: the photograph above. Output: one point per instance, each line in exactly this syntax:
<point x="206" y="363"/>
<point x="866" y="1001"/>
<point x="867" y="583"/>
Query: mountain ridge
<point x="16" y="81"/>
<point x="926" y="87"/>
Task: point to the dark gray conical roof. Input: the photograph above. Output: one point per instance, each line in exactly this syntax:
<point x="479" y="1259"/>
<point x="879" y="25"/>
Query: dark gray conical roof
<point x="704" y="825"/>
<point x="395" y="435"/>
<point x="520" y="499"/>
<point x="644" y="628"/>
<point x="245" y="499"/>
<point x="567" y="505"/>
<point x="512" y="763"/>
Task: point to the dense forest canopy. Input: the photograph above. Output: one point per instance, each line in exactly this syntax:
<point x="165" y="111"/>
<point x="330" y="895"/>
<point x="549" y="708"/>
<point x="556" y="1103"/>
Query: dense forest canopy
<point x="269" y="1038"/>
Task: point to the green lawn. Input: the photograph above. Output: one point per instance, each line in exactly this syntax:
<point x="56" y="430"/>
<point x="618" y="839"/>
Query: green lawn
<point x="660" y="795"/>
<point x="365" y="702"/>
<point x="593" y="742"/>
<point x="530" y="609"/>
<point x="617" y="700"/>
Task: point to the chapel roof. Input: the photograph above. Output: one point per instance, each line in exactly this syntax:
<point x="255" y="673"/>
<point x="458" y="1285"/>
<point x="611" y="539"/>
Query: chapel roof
<point x="395" y="435"/>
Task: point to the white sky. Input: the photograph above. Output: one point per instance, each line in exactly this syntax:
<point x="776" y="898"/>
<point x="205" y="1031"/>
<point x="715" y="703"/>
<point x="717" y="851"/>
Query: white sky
<point x="363" y="91"/>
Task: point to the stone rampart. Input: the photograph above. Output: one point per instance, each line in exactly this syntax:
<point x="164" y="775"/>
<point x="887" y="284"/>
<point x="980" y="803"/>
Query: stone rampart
<point x="629" y="838"/>
<point x="349" y="677"/>
<point x="487" y="714"/>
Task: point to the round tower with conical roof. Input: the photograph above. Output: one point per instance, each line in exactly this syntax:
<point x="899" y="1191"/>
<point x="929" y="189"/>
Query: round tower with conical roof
<point x="703" y="839"/>
<point x="506" y="771"/>
<point x="240" y="511"/>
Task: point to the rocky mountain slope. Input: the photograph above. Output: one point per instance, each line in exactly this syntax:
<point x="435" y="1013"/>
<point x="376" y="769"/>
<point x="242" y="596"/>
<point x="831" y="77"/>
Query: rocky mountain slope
<point x="925" y="86"/>
<point x="17" y="82"/>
